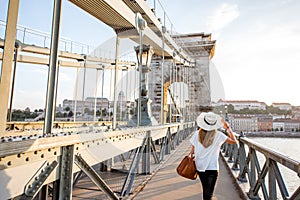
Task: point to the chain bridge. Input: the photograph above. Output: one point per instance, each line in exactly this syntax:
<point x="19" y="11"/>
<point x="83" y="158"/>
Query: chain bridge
<point x="130" y="118"/>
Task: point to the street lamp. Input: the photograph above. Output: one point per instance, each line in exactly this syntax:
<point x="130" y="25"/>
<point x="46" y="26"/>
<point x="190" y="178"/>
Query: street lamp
<point x="144" y="62"/>
<point x="143" y="115"/>
<point x="147" y="53"/>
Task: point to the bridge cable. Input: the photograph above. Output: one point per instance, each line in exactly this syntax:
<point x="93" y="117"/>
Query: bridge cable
<point x="76" y="94"/>
<point x="102" y="95"/>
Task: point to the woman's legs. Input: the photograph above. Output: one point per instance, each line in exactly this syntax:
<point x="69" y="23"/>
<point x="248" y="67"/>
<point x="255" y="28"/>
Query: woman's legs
<point x="208" y="180"/>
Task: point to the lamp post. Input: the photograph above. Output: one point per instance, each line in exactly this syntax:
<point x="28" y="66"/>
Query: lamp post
<point x="143" y="115"/>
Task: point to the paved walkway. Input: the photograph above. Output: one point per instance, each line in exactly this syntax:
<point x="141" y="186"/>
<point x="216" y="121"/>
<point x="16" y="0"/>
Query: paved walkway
<point x="167" y="184"/>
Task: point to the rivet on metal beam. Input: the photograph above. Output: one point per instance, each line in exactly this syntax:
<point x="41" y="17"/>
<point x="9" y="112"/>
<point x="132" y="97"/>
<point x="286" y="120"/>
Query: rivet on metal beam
<point x="34" y="185"/>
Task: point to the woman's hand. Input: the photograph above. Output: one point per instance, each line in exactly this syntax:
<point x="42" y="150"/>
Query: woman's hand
<point x="192" y="150"/>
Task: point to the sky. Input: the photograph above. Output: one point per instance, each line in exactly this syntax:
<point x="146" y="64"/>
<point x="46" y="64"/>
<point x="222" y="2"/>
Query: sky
<point x="257" y="54"/>
<point x="258" y="45"/>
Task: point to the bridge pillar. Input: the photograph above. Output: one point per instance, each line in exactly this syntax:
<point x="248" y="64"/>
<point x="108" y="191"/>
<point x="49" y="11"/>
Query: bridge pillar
<point x="53" y="68"/>
<point x="8" y="53"/>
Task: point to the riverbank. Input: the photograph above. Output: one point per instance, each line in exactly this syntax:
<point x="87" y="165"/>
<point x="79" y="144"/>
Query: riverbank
<point x="274" y="134"/>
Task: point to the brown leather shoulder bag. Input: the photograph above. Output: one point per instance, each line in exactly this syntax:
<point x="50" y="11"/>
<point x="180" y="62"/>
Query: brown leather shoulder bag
<point x="187" y="168"/>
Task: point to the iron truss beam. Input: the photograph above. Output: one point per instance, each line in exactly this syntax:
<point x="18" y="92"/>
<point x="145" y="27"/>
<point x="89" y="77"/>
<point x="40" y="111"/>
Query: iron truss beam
<point x="121" y="16"/>
<point x="17" y="157"/>
<point x="39" y="55"/>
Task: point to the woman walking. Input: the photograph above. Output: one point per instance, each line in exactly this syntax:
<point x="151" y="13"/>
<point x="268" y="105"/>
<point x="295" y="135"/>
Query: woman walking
<point x="206" y="143"/>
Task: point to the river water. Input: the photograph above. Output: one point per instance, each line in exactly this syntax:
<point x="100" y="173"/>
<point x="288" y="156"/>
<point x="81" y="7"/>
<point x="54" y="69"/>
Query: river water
<point x="289" y="147"/>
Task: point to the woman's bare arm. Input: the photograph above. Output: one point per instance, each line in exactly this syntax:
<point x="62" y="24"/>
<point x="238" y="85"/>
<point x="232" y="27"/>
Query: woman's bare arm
<point x="231" y="139"/>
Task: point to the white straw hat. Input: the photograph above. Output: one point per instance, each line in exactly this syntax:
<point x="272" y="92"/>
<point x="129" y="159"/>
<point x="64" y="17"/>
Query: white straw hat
<point x="209" y="121"/>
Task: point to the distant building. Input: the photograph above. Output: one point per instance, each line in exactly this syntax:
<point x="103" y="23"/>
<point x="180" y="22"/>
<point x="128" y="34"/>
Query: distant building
<point x="286" y="125"/>
<point x="101" y="103"/>
<point x="278" y="125"/>
<point x="292" y="125"/>
<point x="278" y="117"/>
<point x="282" y="106"/>
<point x="296" y="112"/>
<point x="59" y="108"/>
<point x="243" y="123"/>
<point x="239" y="105"/>
<point x="264" y="122"/>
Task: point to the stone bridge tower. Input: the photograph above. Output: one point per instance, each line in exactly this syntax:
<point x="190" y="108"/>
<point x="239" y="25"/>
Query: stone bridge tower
<point x="200" y="48"/>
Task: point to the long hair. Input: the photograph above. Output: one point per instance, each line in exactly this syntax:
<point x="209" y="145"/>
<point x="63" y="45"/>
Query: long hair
<point x="206" y="138"/>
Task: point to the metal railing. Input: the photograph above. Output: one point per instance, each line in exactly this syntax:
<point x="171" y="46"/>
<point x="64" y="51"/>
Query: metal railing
<point x="49" y="159"/>
<point x="39" y="38"/>
<point x="262" y="181"/>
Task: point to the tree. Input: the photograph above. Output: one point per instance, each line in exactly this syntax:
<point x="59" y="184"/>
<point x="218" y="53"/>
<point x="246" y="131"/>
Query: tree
<point x="230" y="108"/>
<point x="98" y="113"/>
<point x="70" y="114"/>
<point x="104" y="112"/>
<point x="67" y="109"/>
<point x="58" y="114"/>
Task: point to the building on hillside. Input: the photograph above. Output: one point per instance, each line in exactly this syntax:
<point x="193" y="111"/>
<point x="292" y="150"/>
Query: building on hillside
<point x="239" y="105"/>
<point x="264" y="122"/>
<point x="282" y="106"/>
<point x="243" y="123"/>
<point x="278" y="117"/>
<point x="296" y="112"/>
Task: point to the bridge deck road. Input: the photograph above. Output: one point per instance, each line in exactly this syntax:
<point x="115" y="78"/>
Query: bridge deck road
<point x="167" y="184"/>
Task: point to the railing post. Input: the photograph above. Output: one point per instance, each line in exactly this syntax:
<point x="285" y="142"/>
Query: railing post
<point x="236" y="157"/>
<point x="146" y="155"/>
<point x="168" y="141"/>
<point x="227" y="150"/>
<point x="272" y="182"/>
<point x="283" y="190"/>
<point x="162" y="149"/>
<point x="132" y="170"/>
<point x="252" y="175"/>
<point x="242" y="161"/>
<point x="230" y="152"/>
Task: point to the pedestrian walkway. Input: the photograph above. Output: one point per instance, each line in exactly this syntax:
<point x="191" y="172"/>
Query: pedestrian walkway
<point x="167" y="184"/>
